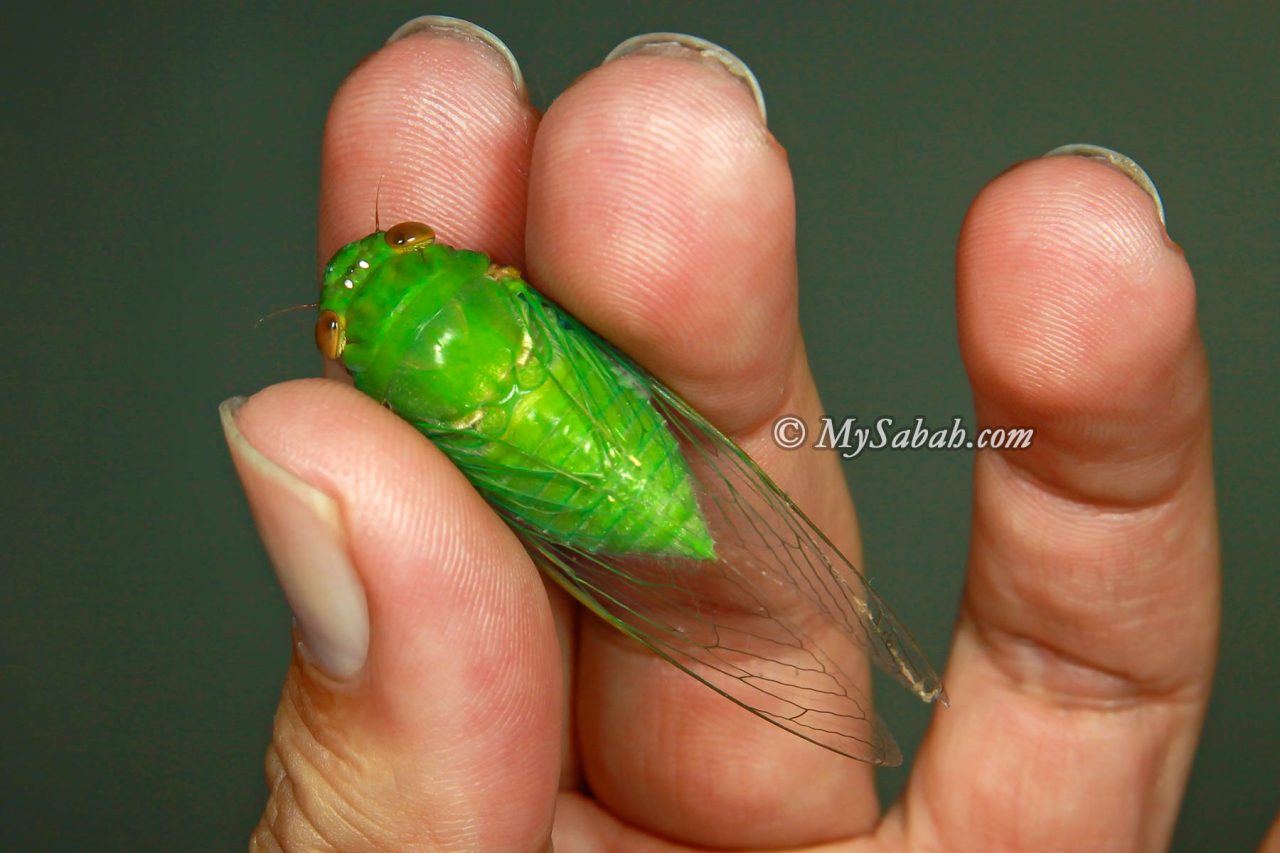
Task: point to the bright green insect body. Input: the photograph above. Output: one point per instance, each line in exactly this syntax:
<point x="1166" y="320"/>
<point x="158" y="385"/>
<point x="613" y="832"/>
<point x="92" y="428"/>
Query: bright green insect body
<point x="623" y="494"/>
<point x="493" y="374"/>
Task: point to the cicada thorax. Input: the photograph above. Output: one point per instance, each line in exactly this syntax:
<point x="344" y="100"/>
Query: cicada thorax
<point x="520" y="397"/>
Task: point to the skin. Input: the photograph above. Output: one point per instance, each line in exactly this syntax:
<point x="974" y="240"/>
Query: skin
<point x="490" y="715"/>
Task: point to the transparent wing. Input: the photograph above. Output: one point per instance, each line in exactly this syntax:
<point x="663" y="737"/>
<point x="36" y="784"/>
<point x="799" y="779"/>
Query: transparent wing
<point x="778" y="622"/>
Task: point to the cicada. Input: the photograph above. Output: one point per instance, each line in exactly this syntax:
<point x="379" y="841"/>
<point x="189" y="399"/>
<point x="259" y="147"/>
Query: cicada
<point x="622" y="493"/>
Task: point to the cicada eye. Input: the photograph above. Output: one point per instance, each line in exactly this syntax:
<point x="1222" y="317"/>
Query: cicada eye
<point x="330" y="337"/>
<point x="409" y="235"/>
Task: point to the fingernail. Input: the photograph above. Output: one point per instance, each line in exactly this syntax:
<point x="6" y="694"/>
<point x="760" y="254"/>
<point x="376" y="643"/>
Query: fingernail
<point x="306" y="540"/>
<point x="1119" y="161"/>
<point x="685" y="46"/>
<point x="445" y="25"/>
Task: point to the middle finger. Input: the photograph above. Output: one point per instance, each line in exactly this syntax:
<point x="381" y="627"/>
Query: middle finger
<point x="661" y="212"/>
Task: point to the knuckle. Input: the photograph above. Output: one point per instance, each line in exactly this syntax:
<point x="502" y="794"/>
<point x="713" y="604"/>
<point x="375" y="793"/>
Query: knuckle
<point x="321" y="794"/>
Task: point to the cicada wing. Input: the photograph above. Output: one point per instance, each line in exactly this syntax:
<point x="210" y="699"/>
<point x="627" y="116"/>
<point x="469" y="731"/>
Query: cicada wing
<point x="703" y="617"/>
<point x="756" y="518"/>
<point x="778" y="621"/>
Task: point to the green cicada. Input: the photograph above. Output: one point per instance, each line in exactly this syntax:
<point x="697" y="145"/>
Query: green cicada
<point x="623" y="494"/>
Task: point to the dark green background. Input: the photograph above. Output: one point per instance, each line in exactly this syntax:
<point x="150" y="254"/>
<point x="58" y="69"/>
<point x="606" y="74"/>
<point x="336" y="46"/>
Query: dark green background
<point x="160" y="183"/>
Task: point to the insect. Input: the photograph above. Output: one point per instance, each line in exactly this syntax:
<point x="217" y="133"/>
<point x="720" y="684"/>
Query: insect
<point x="621" y="491"/>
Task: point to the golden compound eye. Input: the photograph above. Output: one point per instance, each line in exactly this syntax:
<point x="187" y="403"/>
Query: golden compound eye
<point x="330" y="337"/>
<point x="409" y="235"/>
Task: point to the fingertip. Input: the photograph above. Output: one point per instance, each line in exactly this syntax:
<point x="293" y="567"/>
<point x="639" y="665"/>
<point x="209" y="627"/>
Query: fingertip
<point x="432" y="127"/>
<point x="1072" y="302"/>
<point x="1126" y="165"/>
<point x="428" y="550"/>
<point x="662" y="214"/>
<point x="686" y="46"/>
<point x="306" y="538"/>
<point x="464" y="29"/>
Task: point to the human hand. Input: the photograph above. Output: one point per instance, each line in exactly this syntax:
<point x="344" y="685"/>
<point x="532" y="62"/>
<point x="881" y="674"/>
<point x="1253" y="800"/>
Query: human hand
<point x="444" y="698"/>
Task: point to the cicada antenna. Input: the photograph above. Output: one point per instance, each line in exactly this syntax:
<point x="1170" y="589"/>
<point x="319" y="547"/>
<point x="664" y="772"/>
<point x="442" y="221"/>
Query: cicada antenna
<point x="282" y="311"/>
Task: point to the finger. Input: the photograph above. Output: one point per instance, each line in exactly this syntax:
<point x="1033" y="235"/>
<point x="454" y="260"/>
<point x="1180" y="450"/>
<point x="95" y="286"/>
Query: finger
<point x="423" y="708"/>
<point x="415" y="742"/>
<point x="662" y="214"/>
<point x="1087" y="637"/>
<point x="434" y="127"/>
<point x="1271" y="843"/>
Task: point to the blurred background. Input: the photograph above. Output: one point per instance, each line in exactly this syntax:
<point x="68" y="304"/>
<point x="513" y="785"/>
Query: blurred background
<point x="160" y="172"/>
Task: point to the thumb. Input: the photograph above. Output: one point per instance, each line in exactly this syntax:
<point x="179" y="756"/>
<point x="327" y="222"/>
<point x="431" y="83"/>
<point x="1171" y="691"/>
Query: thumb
<point x="423" y="703"/>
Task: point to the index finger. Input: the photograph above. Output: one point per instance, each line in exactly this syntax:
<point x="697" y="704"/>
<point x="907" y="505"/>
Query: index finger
<point x="432" y="129"/>
<point x="444" y="725"/>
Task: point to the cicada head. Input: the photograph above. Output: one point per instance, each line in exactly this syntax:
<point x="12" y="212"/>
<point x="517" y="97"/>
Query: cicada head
<point x="350" y="270"/>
